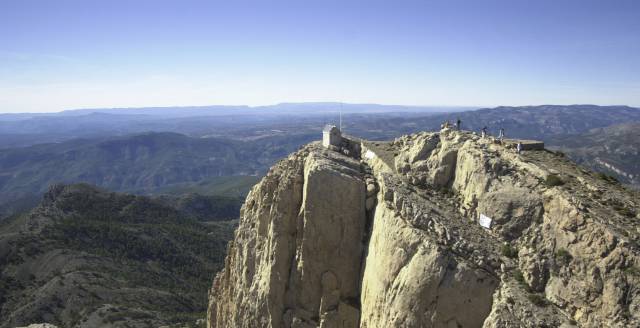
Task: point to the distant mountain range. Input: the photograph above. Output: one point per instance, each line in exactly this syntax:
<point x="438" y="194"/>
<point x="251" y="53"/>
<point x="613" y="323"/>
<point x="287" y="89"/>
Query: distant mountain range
<point x="369" y="121"/>
<point x="142" y="163"/>
<point x="218" y="110"/>
<point x="531" y="122"/>
<point x="87" y="258"/>
<point x="33" y="128"/>
<point x="244" y="146"/>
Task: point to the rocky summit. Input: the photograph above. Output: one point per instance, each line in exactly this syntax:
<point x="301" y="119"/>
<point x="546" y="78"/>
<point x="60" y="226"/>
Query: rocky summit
<point x="440" y="229"/>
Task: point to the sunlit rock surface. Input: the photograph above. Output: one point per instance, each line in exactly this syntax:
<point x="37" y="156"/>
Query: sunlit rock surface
<point x="393" y="240"/>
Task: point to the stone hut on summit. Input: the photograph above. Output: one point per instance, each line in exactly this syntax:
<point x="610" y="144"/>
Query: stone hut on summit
<point x="331" y="136"/>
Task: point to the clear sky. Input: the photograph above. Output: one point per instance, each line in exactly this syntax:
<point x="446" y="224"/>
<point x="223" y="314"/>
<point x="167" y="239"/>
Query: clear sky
<point x="64" y="54"/>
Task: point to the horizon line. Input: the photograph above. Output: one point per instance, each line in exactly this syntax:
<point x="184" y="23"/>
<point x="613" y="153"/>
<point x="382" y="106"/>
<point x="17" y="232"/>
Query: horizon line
<point x="310" y="103"/>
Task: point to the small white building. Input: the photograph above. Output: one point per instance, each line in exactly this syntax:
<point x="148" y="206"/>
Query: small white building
<point x="331" y="136"/>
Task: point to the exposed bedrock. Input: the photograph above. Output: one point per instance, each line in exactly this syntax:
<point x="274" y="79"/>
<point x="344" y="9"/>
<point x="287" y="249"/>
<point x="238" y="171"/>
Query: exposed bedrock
<point x="394" y="240"/>
<point x="295" y="260"/>
<point x="412" y="281"/>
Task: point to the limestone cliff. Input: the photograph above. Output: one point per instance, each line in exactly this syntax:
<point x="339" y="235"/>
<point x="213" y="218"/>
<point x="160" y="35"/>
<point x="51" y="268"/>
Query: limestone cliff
<point x="393" y="240"/>
<point x="296" y="256"/>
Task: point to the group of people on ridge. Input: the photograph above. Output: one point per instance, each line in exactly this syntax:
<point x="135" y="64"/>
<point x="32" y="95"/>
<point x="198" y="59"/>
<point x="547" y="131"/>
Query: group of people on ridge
<point x="483" y="133"/>
<point x="501" y="136"/>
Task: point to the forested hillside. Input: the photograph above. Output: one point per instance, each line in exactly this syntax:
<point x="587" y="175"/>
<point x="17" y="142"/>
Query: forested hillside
<point x="86" y="257"/>
<point x="614" y="150"/>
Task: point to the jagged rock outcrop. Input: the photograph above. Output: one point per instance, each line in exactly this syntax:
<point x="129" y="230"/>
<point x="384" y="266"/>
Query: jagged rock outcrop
<point x="394" y="240"/>
<point x="295" y="260"/>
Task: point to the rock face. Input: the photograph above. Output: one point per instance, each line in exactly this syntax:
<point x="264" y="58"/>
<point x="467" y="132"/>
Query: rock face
<point x="326" y="240"/>
<point x="412" y="281"/>
<point x="295" y="261"/>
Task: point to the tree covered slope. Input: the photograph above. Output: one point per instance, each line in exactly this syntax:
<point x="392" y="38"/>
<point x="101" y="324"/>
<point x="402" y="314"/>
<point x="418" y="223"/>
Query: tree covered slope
<point x="90" y="258"/>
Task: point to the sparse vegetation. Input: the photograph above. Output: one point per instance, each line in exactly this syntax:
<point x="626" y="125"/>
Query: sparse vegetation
<point x="519" y="277"/>
<point x="632" y="270"/>
<point x="537" y="299"/>
<point x="447" y="192"/>
<point x="624" y="211"/>
<point x="509" y="251"/>
<point x="553" y="180"/>
<point x="563" y="256"/>
<point x="619" y="207"/>
<point x="607" y="177"/>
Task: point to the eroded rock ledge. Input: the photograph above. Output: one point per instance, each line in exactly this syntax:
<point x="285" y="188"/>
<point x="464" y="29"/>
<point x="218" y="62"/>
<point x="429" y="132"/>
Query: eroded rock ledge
<point x="393" y="240"/>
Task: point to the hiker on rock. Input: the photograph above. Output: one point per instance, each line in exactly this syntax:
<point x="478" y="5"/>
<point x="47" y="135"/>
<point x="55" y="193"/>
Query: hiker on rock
<point x="484" y="132"/>
<point x="458" y="124"/>
<point x="519" y="147"/>
<point x="501" y="135"/>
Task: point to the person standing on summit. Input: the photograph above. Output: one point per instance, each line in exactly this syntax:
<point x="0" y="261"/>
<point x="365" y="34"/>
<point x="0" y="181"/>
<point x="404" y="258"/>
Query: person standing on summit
<point x="458" y="124"/>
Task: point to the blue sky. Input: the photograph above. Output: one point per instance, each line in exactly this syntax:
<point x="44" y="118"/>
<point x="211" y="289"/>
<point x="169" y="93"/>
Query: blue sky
<point x="64" y="54"/>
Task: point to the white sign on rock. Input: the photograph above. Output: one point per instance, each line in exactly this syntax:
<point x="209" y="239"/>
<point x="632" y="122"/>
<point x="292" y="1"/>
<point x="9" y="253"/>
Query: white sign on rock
<point x="485" y="221"/>
<point x="369" y="155"/>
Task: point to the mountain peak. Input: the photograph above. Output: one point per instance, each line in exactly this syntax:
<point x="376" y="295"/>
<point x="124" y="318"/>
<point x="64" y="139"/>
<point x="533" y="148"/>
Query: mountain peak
<point x="431" y="229"/>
